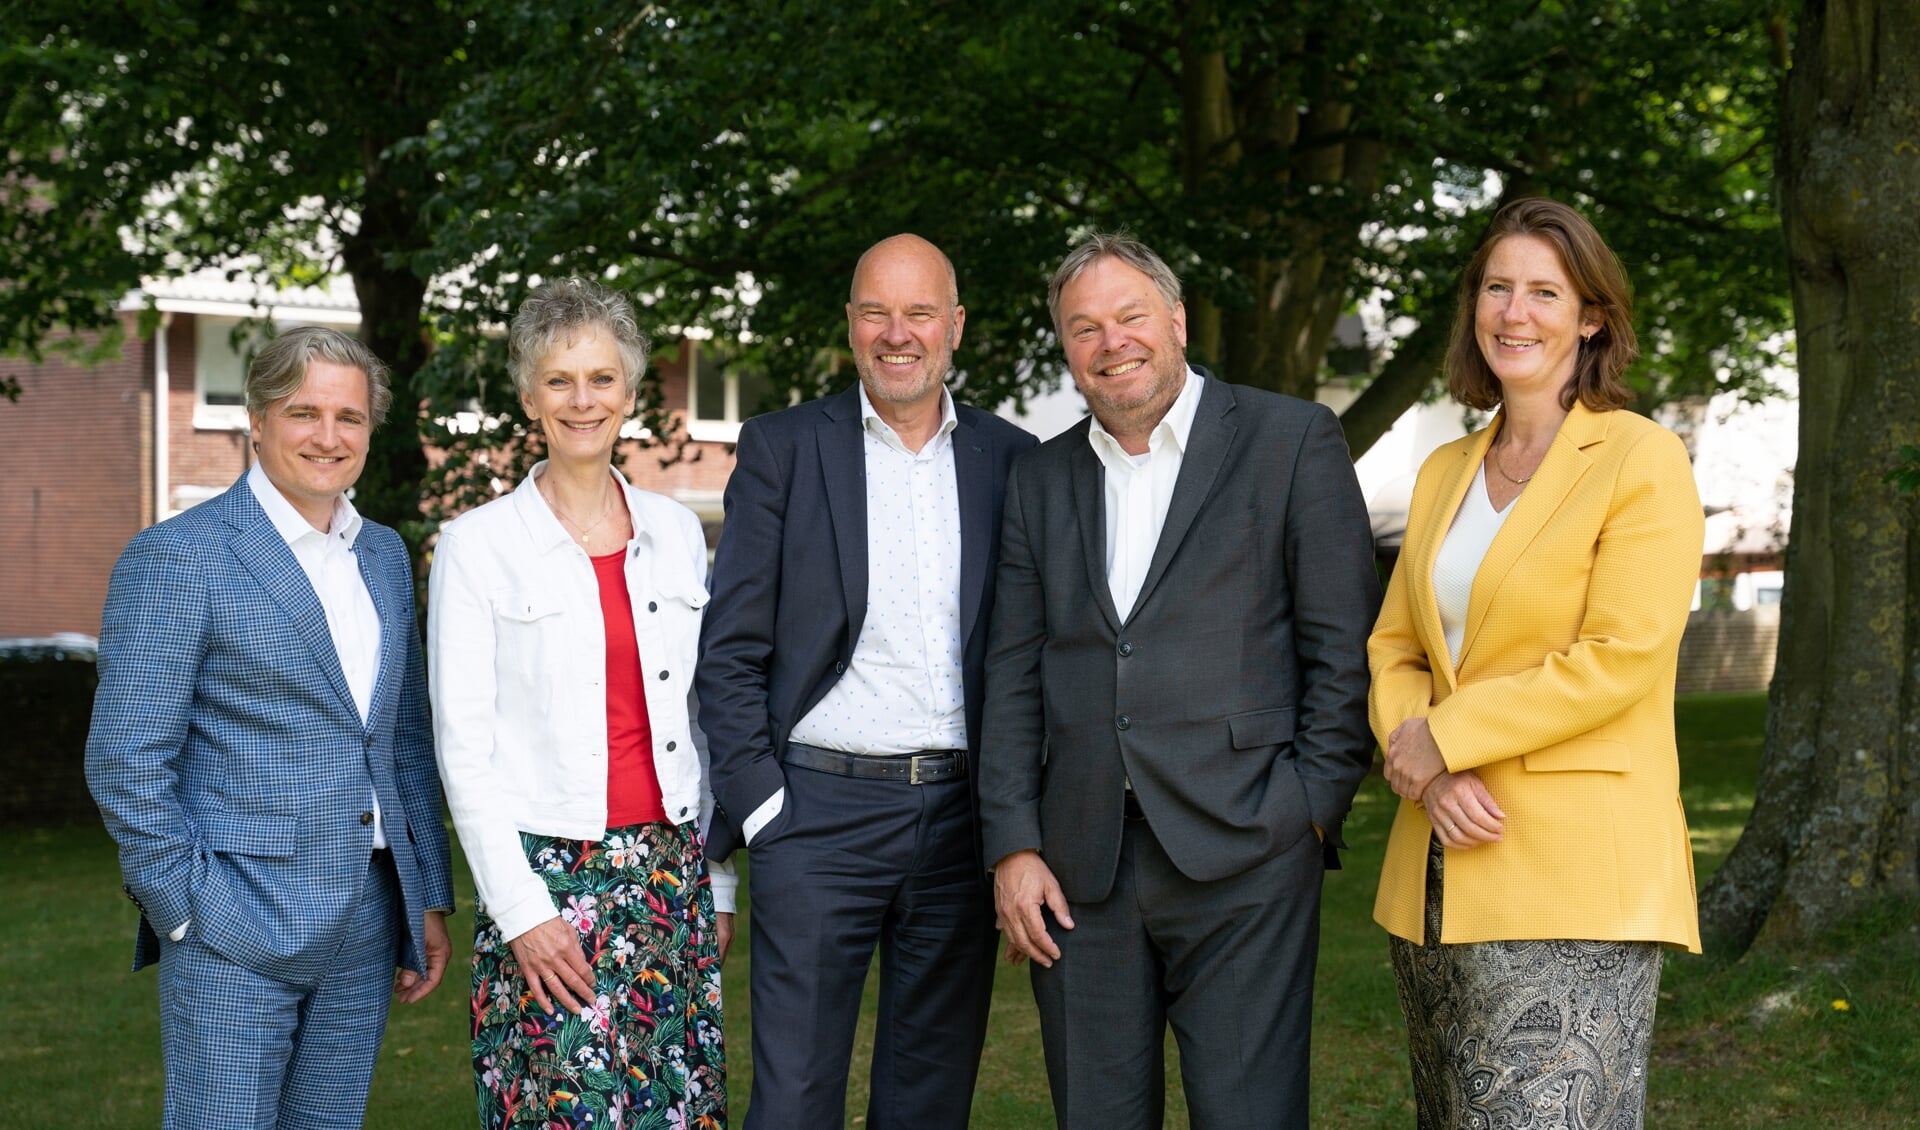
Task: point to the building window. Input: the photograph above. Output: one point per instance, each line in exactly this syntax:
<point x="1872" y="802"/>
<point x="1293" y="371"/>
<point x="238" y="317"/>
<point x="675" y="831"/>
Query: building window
<point x="722" y="393"/>
<point x="222" y="347"/>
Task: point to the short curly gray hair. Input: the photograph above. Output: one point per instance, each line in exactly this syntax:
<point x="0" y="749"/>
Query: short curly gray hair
<point x="1111" y="245"/>
<point x="280" y="368"/>
<point x="558" y="310"/>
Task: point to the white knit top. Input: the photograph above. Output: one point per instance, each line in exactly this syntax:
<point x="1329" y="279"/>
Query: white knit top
<point x="1473" y="530"/>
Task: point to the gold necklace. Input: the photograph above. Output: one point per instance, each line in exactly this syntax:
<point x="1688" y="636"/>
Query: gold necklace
<point x="586" y="535"/>
<point x="1501" y="467"/>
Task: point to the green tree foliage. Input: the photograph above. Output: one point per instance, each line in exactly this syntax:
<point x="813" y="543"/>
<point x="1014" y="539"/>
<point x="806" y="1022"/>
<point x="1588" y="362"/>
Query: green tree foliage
<point x="166" y="136"/>
<point x="727" y="162"/>
<point x="1285" y="157"/>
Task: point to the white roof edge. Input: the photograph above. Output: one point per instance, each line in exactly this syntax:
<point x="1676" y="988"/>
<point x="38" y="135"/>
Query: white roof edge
<point x="276" y="311"/>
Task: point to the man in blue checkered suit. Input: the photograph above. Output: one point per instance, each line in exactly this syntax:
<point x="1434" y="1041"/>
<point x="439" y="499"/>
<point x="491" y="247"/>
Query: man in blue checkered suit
<point x="261" y="752"/>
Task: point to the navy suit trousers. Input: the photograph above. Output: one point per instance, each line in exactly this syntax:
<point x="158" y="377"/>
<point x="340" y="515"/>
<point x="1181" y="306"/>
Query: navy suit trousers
<point x="850" y="865"/>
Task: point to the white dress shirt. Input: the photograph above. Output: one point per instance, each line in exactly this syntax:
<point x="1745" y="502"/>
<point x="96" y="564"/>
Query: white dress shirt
<point x="1474" y="527"/>
<point x="903" y="692"/>
<point x="1139" y="489"/>
<point x="352" y="620"/>
<point x="330" y="565"/>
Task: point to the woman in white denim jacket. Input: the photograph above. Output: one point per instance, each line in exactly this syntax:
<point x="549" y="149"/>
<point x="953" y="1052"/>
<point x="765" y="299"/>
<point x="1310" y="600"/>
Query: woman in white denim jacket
<point x="563" y="622"/>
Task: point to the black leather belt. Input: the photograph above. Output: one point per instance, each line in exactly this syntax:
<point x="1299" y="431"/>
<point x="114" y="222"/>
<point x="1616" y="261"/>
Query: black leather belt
<point x="927" y="768"/>
<point x="1132" y="806"/>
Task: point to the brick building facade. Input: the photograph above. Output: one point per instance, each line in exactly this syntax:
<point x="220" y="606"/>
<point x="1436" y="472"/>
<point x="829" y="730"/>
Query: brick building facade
<point x="78" y="451"/>
<point x="77" y="486"/>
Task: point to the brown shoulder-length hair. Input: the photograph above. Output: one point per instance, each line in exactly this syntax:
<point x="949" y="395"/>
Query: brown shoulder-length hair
<point x="1596" y="274"/>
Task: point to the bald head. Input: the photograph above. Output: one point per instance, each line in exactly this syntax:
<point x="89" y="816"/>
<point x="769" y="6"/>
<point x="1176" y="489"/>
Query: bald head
<point x="904" y="321"/>
<point x="908" y="248"/>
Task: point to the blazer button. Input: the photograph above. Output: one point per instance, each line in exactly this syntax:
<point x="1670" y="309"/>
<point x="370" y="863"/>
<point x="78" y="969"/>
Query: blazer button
<point x="652" y="606"/>
<point x="1124" y="722"/>
<point x="366" y="818"/>
<point x="670" y="748"/>
<point x="839" y="668"/>
<point x="1126" y="648"/>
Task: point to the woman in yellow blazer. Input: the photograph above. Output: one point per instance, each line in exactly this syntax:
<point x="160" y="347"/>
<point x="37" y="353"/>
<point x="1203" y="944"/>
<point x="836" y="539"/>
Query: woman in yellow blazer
<point x="1523" y="671"/>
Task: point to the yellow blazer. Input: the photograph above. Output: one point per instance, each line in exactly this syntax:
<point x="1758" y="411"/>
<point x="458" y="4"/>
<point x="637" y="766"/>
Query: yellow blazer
<point x="1563" y="697"/>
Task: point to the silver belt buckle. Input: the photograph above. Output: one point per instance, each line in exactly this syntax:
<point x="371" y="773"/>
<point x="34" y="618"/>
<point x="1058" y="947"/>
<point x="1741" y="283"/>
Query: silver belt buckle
<point x="913" y="767"/>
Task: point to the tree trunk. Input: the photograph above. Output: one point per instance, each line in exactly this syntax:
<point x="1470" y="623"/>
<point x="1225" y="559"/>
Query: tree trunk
<point x="1208" y="148"/>
<point x="1296" y="268"/>
<point x="1836" y="818"/>
<point x="391" y="302"/>
<point x="1398" y="386"/>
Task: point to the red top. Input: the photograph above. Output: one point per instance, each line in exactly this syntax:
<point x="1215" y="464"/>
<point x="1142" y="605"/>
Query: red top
<point x="633" y="787"/>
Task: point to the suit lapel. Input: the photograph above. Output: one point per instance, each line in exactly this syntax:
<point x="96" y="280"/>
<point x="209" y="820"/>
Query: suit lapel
<point x="1207" y="446"/>
<point x="393" y="620"/>
<point x="266" y="555"/>
<point x="1090" y="507"/>
<point x="843" y="464"/>
<point x="1437" y="511"/>
<point x="1563" y="467"/>
<point x="973" y="479"/>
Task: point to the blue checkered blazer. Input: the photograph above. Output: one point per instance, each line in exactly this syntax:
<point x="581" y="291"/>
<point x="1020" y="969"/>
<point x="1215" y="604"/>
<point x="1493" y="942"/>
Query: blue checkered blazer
<point x="226" y="753"/>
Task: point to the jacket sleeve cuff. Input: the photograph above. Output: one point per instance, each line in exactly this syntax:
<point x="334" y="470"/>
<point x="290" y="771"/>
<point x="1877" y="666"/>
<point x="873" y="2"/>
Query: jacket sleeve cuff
<point x="746" y="790"/>
<point x="1004" y="835"/>
<point x="523" y="915"/>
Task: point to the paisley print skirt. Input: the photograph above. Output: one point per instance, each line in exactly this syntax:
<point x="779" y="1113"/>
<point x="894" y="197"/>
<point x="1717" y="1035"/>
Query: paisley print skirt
<point x="648" y="1052"/>
<point x="1529" y="1035"/>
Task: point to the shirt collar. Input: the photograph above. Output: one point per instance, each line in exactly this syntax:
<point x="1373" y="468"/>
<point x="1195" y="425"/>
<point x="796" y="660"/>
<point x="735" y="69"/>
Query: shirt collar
<point x="543" y="525"/>
<point x="1175" y="427"/>
<point x="874" y="425"/>
<point x="343" y="528"/>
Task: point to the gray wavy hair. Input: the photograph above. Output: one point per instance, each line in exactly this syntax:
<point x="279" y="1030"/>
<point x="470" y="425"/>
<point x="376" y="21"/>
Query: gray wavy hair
<point x="280" y="368"/>
<point x="1111" y="245"/>
<point x="556" y="311"/>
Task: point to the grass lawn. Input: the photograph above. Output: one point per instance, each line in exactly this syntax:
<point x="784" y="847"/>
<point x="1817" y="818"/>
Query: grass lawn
<point x="1759" y="1043"/>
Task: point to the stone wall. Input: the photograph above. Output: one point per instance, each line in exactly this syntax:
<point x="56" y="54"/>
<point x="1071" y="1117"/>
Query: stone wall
<point x="1729" y="650"/>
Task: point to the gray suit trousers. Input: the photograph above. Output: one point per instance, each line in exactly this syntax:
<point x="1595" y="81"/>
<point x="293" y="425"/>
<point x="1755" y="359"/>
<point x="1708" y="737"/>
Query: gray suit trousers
<point x="1228" y="963"/>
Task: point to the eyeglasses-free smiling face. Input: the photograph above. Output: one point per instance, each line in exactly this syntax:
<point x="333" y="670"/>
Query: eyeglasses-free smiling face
<point x="313" y="444"/>
<point x="1126" y="349"/>
<point x="903" y="322"/>
<point x="579" y="397"/>
<point x="1529" y="320"/>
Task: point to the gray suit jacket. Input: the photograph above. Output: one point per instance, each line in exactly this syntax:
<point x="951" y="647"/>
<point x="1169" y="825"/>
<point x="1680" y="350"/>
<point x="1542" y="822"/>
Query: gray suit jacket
<point x="1233" y="693"/>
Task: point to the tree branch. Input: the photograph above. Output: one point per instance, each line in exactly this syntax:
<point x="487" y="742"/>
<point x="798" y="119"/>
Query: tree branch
<point x="1400" y="384"/>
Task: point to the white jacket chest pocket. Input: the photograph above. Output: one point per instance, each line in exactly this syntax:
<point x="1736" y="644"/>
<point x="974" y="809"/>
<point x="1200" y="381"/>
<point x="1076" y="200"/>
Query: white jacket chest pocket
<point x="670" y="622"/>
<point x="532" y="645"/>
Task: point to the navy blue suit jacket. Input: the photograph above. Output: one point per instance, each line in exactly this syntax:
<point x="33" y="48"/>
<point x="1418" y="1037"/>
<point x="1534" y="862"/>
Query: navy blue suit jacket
<point x="790" y="584"/>
<point x="227" y="755"/>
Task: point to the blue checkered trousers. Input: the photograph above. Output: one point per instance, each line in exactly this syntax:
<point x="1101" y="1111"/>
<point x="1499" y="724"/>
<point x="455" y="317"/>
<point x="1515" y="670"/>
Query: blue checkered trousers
<point x="234" y="771"/>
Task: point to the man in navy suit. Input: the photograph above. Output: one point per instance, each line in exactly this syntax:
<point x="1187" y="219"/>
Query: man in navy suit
<point x="840" y="692"/>
<point x="261" y="752"/>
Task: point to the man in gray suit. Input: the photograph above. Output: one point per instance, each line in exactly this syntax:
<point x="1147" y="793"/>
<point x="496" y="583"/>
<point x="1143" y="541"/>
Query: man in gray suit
<point x="1176" y="713"/>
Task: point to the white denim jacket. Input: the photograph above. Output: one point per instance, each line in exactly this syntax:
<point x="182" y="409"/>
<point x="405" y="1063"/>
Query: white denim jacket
<point x="517" y="670"/>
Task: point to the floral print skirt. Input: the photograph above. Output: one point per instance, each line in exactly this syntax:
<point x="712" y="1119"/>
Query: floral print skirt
<point x="648" y="1053"/>
<point x="1526" y="1035"/>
